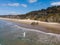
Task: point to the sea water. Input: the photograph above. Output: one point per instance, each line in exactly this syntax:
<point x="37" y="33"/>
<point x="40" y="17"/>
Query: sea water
<point x="12" y="34"/>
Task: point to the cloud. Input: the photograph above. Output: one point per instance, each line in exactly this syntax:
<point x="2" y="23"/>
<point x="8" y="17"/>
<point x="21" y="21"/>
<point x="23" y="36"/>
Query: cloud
<point x="32" y="1"/>
<point x="55" y="3"/>
<point x="13" y="13"/>
<point x="11" y="4"/>
<point x="24" y="5"/>
<point x="15" y="4"/>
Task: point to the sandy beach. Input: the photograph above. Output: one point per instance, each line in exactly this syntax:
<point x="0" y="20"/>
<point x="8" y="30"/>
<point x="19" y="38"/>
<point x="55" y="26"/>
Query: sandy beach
<point x="49" y="27"/>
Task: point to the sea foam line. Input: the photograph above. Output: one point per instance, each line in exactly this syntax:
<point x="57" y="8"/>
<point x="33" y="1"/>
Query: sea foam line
<point x="26" y="29"/>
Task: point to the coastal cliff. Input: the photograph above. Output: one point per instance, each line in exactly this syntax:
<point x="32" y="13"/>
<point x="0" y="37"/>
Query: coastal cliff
<point x="51" y="14"/>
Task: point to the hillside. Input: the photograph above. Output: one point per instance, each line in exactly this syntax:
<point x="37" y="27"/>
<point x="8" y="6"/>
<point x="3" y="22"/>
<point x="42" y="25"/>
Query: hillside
<point x="51" y="14"/>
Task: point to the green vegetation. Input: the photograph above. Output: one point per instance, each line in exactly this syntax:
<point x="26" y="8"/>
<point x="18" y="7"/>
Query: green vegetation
<point x="51" y="14"/>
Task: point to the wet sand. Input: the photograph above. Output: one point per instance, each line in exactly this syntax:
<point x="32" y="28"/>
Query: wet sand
<point x="43" y="26"/>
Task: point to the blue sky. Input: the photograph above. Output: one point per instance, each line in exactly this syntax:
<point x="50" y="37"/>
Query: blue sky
<point x="24" y="6"/>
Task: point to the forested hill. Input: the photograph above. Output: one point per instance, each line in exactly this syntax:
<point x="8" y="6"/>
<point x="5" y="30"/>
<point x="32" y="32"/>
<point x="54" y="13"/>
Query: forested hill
<point x="51" y="14"/>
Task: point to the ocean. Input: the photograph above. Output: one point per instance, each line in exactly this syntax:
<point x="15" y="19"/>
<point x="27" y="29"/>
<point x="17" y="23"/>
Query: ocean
<point x="13" y="34"/>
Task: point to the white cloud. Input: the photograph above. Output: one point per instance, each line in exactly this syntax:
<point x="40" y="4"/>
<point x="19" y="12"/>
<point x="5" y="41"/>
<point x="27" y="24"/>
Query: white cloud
<point x="32" y="1"/>
<point x="24" y="5"/>
<point x="11" y="4"/>
<point x="14" y="4"/>
<point x="55" y="3"/>
<point x="13" y="13"/>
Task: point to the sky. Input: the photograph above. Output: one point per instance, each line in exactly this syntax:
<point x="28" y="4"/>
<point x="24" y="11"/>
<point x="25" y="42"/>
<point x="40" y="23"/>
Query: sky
<point x="25" y="6"/>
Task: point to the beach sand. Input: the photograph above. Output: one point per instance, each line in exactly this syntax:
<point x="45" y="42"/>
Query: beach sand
<point x="49" y="27"/>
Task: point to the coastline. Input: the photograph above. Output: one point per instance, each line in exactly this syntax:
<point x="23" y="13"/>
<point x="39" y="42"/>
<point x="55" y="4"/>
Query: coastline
<point x="42" y="26"/>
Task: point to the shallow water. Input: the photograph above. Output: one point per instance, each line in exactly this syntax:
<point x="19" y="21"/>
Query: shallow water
<point x="12" y="34"/>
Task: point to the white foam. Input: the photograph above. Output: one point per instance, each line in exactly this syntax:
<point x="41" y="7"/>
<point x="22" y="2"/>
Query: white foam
<point x="37" y="31"/>
<point x="16" y="26"/>
<point x="24" y="34"/>
<point x="0" y="44"/>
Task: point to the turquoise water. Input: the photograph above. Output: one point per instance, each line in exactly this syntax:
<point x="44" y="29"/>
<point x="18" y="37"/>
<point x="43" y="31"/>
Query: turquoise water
<point x="12" y="34"/>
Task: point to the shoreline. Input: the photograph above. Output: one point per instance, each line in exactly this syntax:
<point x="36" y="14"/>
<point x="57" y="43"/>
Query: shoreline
<point x="42" y="26"/>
